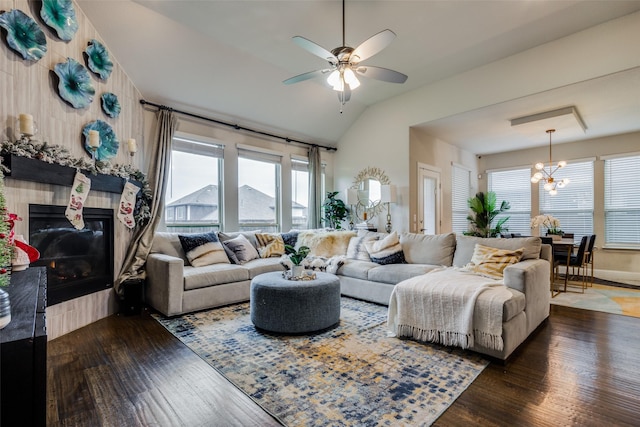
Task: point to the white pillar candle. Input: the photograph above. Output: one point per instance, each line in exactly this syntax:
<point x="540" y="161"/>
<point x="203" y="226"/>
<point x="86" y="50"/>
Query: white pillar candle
<point x="26" y="124"/>
<point x="94" y="139"/>
<point x="132" y="145"/>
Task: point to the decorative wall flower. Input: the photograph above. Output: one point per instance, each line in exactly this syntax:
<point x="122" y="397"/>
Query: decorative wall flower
<point x="98" y="59"/>
<point x="109" y="144"/>
<point x="61" y="16"/>
<point x="75" y="85"/>
<point x="24" y="35"/>
<point x="110" y="104"/>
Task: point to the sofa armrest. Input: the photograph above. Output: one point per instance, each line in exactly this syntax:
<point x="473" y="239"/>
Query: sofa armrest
<point x="165" y="283"/>
<point x="532" y="278"/>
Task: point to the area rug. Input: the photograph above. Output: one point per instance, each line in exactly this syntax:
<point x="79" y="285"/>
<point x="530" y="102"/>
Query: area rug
<point x="609" y="299"/>
<point x="351" y="375"/>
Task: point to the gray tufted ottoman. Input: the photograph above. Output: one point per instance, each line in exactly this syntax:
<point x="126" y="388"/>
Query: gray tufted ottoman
<point x="294" y="307"/>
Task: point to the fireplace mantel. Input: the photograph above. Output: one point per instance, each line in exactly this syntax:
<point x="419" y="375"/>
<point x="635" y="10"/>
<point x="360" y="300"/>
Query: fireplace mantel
<point x="26" y="169"/>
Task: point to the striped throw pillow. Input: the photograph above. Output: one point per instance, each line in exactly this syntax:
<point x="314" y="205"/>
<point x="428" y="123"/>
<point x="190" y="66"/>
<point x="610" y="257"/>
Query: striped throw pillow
<point x="270" y="245"/>
<point x="491" y="262"/>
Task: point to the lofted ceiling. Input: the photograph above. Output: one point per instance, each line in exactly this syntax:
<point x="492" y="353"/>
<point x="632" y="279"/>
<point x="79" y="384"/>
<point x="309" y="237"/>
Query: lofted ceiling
<point x="227" y="59"/>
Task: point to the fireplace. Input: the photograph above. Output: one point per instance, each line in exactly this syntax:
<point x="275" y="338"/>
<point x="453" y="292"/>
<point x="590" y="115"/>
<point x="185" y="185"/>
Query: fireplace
<point x="79" y="262"/>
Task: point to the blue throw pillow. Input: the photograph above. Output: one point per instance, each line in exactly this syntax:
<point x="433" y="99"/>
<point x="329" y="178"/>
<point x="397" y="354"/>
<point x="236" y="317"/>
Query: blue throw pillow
<point x="203" y="249"/>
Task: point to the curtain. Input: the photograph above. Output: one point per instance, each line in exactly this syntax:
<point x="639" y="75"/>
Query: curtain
<point x="140" y="245"/>
<point x="315" y="188"/>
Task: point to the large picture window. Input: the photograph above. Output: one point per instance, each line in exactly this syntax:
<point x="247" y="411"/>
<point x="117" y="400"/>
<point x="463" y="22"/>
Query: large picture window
<point x="299" y="193"/>
<point x="193" y="199"/>
<point x="258" y="191"/>
<point x="514" y="186"/>
<point x="573" y="205"/>
<point x="460" y="194"/>
<point x="622" y="202"/>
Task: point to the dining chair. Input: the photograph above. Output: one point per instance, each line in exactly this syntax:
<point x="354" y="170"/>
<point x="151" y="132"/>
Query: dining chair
<point x="554" y="266"/>
<point x="589" y="254"/>
<point x="578" y="261"/>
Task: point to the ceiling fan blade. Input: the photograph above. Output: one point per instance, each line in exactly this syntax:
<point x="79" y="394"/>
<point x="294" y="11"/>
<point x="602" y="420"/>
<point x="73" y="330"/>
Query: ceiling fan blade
<point x="305" y="76"/>
<point x="380" y="73"/>
<point x="314" y="48"/>
<point x="372" y="45"/>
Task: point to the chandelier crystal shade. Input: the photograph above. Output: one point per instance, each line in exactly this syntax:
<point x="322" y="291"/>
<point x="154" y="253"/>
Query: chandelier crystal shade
<point x="551" y="184"/>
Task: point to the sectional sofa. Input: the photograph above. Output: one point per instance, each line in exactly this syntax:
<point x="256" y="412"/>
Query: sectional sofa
<point x="366" y="271"/>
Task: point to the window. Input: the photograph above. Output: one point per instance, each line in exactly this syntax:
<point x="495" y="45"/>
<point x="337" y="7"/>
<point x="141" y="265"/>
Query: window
<point x="514" y="186"/>
<point x="622" y="201"/>
<point x="460" y="189"/>
<point x="193" y="201"/>
<point x="258" y="191"/>
<point x="299" y="193"/>
<point x="573" y="205"/>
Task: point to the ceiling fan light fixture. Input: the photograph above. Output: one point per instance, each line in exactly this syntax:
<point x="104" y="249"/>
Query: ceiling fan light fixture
<point x="351" y="79"/>
<point x="336" y="81"/>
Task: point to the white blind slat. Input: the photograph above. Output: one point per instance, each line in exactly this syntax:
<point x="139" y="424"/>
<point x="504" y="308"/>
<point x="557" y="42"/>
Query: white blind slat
<point x="460" y="189"/>
<point x="622" y="200"/>
<point x="514" y="186"/>
<point x="198" y="147"/>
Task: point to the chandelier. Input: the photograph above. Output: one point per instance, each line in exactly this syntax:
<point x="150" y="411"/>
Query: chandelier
<point x="551" y="184"/>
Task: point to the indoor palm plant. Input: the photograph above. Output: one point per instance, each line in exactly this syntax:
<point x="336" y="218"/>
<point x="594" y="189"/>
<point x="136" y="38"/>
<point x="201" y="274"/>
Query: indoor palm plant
<point x="483" y="211"/>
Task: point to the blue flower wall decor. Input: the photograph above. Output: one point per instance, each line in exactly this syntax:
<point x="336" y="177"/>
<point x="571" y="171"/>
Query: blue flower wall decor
<point x="98" y="59"/>
<point x="75" y="85"/>
<point x="110" y="104"/>
<point x="24" y="35"/>
<point x="61" y="16"/>
<point x="108" y="142"/>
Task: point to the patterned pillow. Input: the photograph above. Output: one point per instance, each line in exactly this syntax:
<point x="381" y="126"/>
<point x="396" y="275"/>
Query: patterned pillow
<point x="241" y="248"/>
<point x="203" y="249"/>
<point x="491" y="262"/>
<point x="290" y="238"/>
<point x="357" y="249"/>
<point x="386" y="251"/>
<point x="270" y="245"/>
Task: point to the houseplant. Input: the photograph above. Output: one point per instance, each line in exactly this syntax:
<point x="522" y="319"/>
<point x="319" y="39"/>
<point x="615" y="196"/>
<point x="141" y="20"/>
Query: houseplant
<point x="335" y="211"/>
<point x="296" y="257"/>
<point x="483" y="212"/>
<point x="549" y="222"/>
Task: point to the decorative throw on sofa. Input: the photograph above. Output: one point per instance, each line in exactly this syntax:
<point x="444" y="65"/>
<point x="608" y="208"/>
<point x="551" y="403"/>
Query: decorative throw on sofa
<point x="203" y="249"/>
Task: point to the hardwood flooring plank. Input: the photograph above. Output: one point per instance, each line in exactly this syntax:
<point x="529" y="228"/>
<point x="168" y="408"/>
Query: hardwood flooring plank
<point x="580" y="368"/>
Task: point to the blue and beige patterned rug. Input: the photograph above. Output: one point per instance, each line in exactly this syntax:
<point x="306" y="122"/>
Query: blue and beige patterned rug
<point x="351" y="375"/>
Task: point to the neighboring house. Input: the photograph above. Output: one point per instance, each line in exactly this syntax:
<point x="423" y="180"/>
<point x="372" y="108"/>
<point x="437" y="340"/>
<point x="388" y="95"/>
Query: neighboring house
<point x="198" y="211"/>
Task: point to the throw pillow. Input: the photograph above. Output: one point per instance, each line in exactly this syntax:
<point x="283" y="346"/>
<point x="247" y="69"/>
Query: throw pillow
<point x="357" y="249"/>
<point x="491" y="262"/>
<point x="386" y="251"/>
<point x="242" y="249"/>
<point x="290" y="238"/>
<point x="203" y="249"/>
<point x="270" y="245"/>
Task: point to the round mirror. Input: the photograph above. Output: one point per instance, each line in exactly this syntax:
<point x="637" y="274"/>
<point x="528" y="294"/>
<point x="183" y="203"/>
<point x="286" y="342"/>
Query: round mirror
<point x="368" y="184"/>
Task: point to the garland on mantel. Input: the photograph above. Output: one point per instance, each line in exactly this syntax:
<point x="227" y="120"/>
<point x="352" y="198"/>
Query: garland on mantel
<point x="56" y="154"/>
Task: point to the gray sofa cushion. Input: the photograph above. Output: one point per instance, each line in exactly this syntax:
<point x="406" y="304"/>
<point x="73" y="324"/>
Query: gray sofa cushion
<point x="263" y="265"/>
<point x="396" y="273"/>
<point x="211" y="275"/>
<point x="465" y="245"/>
<point x="428" y="249"/>
<point x="250" y="235"/>
<point x="357" y="269"/>
<point x="513" y="305"/>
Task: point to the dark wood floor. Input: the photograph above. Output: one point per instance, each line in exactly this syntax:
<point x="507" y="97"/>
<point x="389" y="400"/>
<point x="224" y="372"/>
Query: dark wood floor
<point x="580" y="368"/>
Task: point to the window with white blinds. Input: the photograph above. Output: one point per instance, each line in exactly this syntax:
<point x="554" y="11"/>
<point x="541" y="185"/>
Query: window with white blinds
<point x="514" y="186"/>
<point x="573" y="205"/>
<point x="460" y="189"/>
<point x="622" y="201"/>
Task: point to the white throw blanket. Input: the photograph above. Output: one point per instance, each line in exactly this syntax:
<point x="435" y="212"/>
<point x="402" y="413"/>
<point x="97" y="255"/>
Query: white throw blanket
<point x="443" y="306"/>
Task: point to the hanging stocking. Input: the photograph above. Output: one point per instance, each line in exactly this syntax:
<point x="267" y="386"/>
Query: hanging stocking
<point x="79" y="193"/>
<point x="127" y="204"/>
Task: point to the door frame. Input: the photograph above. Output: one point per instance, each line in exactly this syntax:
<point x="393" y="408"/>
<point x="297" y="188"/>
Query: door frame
<point x="430" y="171"/>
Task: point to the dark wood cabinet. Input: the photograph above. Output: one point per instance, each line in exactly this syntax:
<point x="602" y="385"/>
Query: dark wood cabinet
<point x="23" y="358"/>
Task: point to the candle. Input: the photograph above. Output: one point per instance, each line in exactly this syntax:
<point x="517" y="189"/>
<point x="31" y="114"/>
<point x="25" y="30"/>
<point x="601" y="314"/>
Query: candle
<point x="26" y="124"/>
<point x="94" y="139"/>
<point x="131" y="143"/>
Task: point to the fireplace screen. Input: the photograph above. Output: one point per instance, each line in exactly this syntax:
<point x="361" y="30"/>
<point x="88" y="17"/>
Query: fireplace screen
<point x="79" y="262"/>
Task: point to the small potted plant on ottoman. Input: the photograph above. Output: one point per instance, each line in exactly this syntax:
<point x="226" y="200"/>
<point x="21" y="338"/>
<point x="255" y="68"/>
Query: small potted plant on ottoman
<point x="296" y="258"/>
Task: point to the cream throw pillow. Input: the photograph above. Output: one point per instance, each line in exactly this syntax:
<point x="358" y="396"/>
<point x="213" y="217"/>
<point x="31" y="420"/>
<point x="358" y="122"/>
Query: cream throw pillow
<point x="491" y="262"/>
<point x="270" y="245"/>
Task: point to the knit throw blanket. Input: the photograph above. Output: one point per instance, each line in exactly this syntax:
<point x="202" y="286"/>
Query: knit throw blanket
<point x="450" y="307"/>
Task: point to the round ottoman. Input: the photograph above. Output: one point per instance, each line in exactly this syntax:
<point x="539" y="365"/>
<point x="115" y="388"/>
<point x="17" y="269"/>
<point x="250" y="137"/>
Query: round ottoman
<point x="294" y="306"/>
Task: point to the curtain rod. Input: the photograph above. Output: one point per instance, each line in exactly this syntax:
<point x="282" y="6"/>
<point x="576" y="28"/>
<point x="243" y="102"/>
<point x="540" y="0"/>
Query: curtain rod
<point x="237" y="127"/>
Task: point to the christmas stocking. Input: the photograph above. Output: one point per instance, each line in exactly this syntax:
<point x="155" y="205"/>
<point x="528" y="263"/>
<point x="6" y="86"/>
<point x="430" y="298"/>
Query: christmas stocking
<point x="79" y="193"/>
<point x="127" y="204"/>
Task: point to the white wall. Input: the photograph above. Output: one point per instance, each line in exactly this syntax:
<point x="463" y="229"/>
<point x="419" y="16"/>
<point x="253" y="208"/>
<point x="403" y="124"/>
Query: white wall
<point x="381" y="136"/>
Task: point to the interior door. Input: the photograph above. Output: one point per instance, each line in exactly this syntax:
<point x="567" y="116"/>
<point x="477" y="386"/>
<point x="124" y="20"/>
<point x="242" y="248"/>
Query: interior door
<point x="428" y="200"/>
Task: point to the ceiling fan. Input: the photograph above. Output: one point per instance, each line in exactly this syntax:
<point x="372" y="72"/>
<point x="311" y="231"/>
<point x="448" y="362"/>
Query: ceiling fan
<point x="344" y="63"/>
